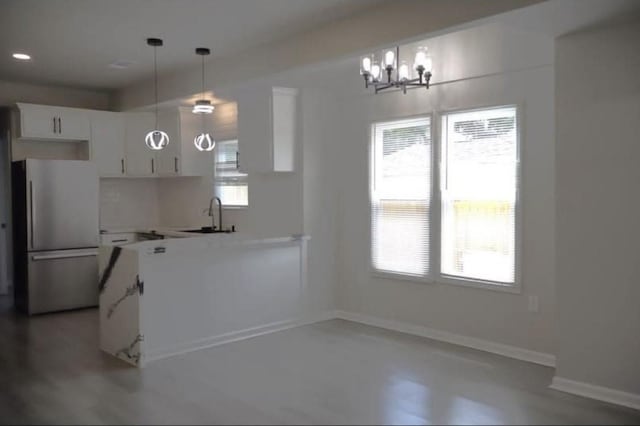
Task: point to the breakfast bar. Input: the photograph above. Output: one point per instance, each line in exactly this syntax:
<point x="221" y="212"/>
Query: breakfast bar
<point x="161" y="298"/>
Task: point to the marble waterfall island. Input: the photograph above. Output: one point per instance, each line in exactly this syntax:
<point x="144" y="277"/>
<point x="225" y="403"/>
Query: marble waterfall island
<point x="166" y="297"/>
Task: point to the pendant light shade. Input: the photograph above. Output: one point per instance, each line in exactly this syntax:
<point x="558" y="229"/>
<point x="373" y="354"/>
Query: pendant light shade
<point x="156" y="139"/>
<point x="203" y="142"/>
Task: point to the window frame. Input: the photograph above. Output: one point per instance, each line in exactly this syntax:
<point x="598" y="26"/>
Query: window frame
<point x="216" y="182"/>
<point x="435" y="275"/>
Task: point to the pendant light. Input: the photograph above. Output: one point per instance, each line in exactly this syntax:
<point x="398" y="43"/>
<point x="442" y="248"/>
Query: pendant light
<point x="156" y="139"/>
<point x="203" y="141"/>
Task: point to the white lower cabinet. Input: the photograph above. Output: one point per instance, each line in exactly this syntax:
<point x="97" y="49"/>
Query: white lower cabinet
<point x="118" y="238"/>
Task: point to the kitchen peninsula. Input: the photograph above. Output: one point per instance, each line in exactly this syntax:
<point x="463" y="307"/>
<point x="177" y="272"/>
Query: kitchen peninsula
<point x="160" y="298"/>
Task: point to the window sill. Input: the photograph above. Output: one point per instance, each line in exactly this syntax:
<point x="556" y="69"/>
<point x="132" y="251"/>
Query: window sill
<point x="231" y="207"/>
<point x="448" y="280"/>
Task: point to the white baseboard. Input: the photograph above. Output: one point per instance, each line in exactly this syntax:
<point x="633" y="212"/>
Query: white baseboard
<point x="601" y="393"/>
<point x="456" y="339"/>
<point x="233" y="337"/>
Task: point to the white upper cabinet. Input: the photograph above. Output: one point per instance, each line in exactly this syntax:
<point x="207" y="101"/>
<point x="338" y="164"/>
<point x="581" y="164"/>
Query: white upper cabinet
<point x="168" y="159"/>
<point x="192" y="161"/>
<point x="267" y="128"/>
<point x="179" y="158"/>
<point x="53" y="123"/>
<point x="140" y="160"/>
<point x="108" y="142"/>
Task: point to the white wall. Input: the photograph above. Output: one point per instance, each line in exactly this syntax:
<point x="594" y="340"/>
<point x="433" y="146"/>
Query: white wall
<point x="483" y="66"/>
<point x="382" y="24"/>
<point x="12" y="92"/>
<point x="598" y="146"/>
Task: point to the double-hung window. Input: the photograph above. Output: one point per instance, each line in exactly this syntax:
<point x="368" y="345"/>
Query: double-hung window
<point x="474" y="236"/>
<point x="230" y="184"/>
<point x="401" y="196"/>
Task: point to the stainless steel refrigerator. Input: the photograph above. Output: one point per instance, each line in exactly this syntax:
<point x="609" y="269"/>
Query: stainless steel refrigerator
<point x="55" y="220"/>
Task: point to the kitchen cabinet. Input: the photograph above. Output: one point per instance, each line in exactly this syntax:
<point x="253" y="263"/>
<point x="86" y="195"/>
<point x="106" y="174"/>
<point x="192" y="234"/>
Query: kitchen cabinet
<point x="179" y="158"/>
<point x="193" y="162"/>
<point x="108" y="143"/>
<point x="267" y="127"/>
<point x="53" y="123"/>
<point x="140" y="160"/>
<point x="168" y="159"/>
<point x="119" y="238"/>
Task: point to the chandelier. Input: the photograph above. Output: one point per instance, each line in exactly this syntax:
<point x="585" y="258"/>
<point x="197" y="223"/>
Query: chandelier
<point x="381" y="76"/>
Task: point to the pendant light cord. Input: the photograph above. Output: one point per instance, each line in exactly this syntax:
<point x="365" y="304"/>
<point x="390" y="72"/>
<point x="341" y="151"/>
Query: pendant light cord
<point x="203" y="92"/>
<point x="155" y="68"/>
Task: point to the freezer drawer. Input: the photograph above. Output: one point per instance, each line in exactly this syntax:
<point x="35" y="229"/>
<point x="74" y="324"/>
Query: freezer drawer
<point x="62" y="279"/>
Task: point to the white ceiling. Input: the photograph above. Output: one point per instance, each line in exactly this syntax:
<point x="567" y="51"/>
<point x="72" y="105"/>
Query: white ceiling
<point x="72" y="42"/>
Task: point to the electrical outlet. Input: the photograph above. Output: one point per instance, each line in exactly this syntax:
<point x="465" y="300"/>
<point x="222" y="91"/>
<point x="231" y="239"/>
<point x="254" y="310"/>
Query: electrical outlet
<point x="534" y="304"/>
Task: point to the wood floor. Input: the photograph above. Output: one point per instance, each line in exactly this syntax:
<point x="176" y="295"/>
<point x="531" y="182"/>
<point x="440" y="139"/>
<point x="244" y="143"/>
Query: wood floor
<point x="332" y="372"/>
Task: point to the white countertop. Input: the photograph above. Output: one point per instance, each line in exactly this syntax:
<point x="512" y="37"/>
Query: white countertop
<point x="180" y="240"/>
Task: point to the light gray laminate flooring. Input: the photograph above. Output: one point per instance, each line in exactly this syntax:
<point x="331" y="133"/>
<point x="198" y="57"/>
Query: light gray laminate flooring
<point x="51" y="371"/>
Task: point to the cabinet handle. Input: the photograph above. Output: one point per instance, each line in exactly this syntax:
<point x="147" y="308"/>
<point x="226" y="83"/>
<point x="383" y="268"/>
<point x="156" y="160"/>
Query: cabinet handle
<point x="152" y="167"/>
<point x="175" y="164"/>
<point x="237" y="160"/>
<point x="122" y="164"/>
<point x="55" y="128"/>
<point x="59" y="125"/>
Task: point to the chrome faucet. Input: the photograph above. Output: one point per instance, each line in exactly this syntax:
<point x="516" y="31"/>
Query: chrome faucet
<point x="210" y="213"/>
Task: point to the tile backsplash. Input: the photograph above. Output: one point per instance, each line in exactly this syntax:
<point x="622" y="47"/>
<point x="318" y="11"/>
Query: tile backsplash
<point x="129" y="203"/>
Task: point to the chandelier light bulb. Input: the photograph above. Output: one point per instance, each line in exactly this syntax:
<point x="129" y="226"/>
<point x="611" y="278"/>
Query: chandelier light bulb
<point x="389" y="58"/>
<point x="203" y="142"/>
<point x="365" y="65"/>
<point x="420" y="58"/>
<point x="403" y="71"/>
<point x="375" y="71"/>
<point x="156" y="140"/>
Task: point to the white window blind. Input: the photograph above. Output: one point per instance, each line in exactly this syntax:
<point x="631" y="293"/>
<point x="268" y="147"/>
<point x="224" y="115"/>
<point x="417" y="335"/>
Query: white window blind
<point x="231" y="184"/>
<point x="479" y="192"/>
<point x="401" y="196"/>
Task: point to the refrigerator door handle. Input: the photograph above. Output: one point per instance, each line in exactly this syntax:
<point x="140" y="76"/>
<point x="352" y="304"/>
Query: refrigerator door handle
<point x="63" y="256"/>
<point x="31" y="216"/>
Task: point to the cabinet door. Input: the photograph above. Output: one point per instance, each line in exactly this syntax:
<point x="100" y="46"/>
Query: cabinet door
<point x="140" y="160"/>
<point x="38" y="122"/>
<point x="48" y="122"/>
<point x="195" y="162"/>
<point x="255" y="131"/>
<point x="168" y="159"/>
<point x="108" y="142"/>
<point x="283" y="110"/>
<point x="73" y="124"/>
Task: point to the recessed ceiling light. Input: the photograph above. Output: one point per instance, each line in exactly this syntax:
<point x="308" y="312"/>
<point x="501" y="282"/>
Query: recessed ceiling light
<point x="121" y="64"/>
<point x="22" y="56"/>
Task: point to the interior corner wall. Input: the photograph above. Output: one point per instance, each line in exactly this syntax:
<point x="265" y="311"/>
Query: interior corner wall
<point x="598" y="206"/>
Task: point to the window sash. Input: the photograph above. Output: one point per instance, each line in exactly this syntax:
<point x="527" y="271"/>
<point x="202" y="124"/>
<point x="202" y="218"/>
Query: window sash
<point x="394" y="214"/>
<point x="227" y="176"/>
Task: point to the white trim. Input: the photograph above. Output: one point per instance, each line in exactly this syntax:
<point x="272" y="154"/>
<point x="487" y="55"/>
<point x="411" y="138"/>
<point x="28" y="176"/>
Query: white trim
<point x="522" y="354"/>
<point x="234" y="336"/>
<point x="601" y="393"/>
